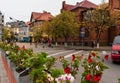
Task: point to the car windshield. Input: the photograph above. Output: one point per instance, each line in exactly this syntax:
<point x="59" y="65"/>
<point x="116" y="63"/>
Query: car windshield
<point x="116" y="40"/>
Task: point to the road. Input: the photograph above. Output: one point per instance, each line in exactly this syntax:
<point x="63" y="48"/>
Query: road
<point x="110" y="75"/>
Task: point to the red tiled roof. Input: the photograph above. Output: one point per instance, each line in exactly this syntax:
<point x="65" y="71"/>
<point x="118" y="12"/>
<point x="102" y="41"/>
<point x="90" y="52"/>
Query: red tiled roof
<point x="85" y="4"/>
<point x="68" y="7"/>
<point x="41" y="16"/>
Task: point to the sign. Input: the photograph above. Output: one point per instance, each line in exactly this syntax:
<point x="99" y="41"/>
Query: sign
<point x="82" y="29"/>
<point x="82" y="34"/>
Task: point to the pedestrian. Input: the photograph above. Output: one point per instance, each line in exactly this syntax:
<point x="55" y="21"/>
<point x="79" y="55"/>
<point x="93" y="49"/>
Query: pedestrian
<point x="43" y="42"/>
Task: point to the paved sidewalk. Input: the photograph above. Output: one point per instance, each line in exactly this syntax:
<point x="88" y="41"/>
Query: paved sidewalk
<point x="3" y="73"/>
<point x="6" y="75"/>
<point x="69" y="47"/>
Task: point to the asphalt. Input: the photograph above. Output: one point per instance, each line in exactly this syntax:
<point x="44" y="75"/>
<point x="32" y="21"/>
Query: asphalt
<point x="5" y="73"/>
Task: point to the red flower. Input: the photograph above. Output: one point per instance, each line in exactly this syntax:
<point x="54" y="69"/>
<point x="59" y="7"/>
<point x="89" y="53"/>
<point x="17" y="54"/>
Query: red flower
<point x="93" y="54"/>
<point x="73" y="57"/>
<point x="67" y="70"/>
<point x="90" y="60"/>
<point x="18" y="48"/>
<point x="106" y="57"/>
<point x="88" y="77"/>
<point x="97" y="78"/>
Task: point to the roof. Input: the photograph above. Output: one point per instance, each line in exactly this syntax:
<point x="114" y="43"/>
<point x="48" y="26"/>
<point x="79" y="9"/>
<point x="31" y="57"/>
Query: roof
<point x="41" y="16"/>
<point x="68" y="7"/>
<point x="85" y="4"/>
<point x="27" y="23"/>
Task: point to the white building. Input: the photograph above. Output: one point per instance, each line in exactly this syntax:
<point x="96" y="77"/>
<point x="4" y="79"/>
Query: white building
<point x="23" y="33"/>
<point x="20" y="30"/>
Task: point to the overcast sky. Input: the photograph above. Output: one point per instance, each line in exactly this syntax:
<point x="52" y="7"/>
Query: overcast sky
<point x="21" y="9"/>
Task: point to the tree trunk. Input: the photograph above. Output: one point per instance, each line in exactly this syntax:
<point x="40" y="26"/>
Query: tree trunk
<point x="98" y="38"/>
<point x="65" y="43"/>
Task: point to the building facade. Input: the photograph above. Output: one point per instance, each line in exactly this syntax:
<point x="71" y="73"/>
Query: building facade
<point x="36" y="21"/>
<point x="108" y="35"/>
<point x="1" y="25"/>
<point x="79" y="8"/>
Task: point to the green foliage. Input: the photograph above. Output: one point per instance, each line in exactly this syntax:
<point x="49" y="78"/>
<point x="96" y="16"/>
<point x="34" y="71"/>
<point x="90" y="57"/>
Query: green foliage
<point x="73" y="65"/>
<point x="119" y="80"/>
<point x="56" y="72"/>
<point x="93" y="66"/>
<point x="6" y="33"/>
<point x="64" y="25"/>
<point x="97" y="20"/>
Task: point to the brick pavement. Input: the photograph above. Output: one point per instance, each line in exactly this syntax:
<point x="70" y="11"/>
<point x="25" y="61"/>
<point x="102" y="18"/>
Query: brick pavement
<point x="6" y="75"/>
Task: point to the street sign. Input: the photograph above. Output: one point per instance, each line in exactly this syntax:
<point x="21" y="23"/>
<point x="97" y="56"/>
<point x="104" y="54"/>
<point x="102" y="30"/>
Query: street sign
<point x="82" y="34"/>
<point x="82" y="29"/>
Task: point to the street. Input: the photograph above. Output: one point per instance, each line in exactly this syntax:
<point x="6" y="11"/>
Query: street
<point x="110" y="75"/>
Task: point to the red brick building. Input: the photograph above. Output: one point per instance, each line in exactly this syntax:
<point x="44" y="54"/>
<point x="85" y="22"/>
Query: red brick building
<point x="114" y="6"/>
<point x="108" y="35"/>
<point x="79" y="8"/>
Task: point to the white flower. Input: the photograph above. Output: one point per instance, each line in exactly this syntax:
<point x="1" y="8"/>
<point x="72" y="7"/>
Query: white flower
<point x="97" y="67"/>
<point x="65" y="77"/>
<point x="104" y="52"/>
<point x="50" y="78"/>
<point x="7" y="52"/>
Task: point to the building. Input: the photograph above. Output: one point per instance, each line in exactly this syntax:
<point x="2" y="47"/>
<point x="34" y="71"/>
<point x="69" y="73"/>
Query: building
<point x="1" y="24"/>
<point x="37" y="19"/>
<point x="23" y="34"/>
<point x="19" y="30"/>
<point x="114" y="6"/>
<point x="79" y="8"/>
<point x="85" y="5"/>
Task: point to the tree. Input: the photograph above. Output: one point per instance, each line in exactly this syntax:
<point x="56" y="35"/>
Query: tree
<point x="64" y="25"/>
<point x="37" y="33"/>
<point x="98" y="20"/>
<point x="6" y="33"/>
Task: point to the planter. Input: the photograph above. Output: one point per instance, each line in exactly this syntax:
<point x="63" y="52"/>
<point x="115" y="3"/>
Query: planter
<point x="22" y="77"/>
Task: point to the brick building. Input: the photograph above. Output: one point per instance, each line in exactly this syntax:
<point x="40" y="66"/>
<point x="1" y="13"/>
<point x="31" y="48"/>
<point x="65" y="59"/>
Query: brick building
<point x="108" y="35"/>
<point x="114" y="6"/>
<point x="79" y="8"/>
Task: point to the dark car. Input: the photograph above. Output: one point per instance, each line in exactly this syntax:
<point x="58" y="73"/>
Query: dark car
<point x="115" y="54"/>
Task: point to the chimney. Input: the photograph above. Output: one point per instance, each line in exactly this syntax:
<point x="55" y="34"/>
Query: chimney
<point x="77" y="3"/>
<point x="63" y="4"/>
<point x="44" y="11"/>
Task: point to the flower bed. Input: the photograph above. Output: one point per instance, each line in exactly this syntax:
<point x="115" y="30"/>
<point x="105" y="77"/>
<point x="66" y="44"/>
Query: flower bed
<point x="38" y="68"/>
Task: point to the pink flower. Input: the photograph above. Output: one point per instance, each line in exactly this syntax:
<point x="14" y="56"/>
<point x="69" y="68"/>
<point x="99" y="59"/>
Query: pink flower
<point x="24" y="47"/>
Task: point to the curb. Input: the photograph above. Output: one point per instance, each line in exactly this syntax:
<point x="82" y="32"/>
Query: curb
<point x="8" y="71"/>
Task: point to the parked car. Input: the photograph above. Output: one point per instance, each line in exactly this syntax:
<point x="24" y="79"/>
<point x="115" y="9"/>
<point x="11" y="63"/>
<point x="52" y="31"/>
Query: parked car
<point x="115" y="54"/>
